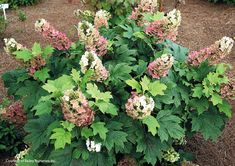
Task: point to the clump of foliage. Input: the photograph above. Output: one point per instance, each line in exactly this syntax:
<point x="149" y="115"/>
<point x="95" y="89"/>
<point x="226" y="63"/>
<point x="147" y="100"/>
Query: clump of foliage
<point x="16" y="3"/>
<point x="22" y="16"/>
<point x="115" y="7"/>
<point x="124" y="94"/>
<point x="226" y="1"/>
<point x="3" y="25"/>
<point x="11" y="136"/>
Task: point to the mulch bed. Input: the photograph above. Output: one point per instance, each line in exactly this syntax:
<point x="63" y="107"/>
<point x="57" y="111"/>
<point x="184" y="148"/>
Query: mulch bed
<point x="202" y="24"/>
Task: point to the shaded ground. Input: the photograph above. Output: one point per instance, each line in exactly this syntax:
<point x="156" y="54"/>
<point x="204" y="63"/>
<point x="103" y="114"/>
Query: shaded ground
<point x="202" y="24"/>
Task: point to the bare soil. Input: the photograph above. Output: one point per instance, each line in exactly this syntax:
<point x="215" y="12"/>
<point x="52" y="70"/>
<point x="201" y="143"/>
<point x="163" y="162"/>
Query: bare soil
<point x="202" y="24"/>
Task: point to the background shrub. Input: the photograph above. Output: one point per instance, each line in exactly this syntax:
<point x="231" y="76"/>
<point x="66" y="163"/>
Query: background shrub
<point x="16" y="3"/>
<point x="226" y="1"/>
<point x="115" y="7"/>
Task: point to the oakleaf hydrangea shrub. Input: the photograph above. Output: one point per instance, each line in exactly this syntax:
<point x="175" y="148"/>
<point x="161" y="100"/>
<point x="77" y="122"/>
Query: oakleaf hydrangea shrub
<point x="121" y="94"/>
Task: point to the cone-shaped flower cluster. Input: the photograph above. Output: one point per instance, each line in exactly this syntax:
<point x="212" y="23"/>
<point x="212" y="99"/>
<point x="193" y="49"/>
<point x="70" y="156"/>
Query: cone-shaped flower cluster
<point x="14" y="113"/>
<point x="171" y="155"/>
<point x="139" y="106"/>
<point x="76" y="109"/>
<point x="127" y="161"/>
<point x="92" y="146"/>
<point x="101" y="19"/>
<point x="145" y="6"/>
<point x="91" y="61"/>
<point x="56" y="38"/>
<point x="165" y="28"/>
<point x="36" y="64"/>
<point x="84" y="15"/>
<point x="161" y="66"/>
<point x="11" y="46"/>
<point x="223" y="47"/>
<point x="92" y="39"/>
<point x="227" y="91"/>
<point x="22" y="154"/>
<point x="174" y="18"/>
<point x="214" y="53"/>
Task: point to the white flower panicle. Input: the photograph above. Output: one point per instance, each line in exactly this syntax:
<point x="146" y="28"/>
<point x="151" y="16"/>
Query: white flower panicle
<point x="85" y="30"/>
<point x="92" y="146"/>
<point x="174" y="18"/>
<point x="90" y="60"/>
<point x="84" y="14"/>
<point x="139" y="106"/>
<point x="11" y="45"/>
<point x="220" y="50"/>
<point x="40" y="24"/>
<point x="226" y="44"/>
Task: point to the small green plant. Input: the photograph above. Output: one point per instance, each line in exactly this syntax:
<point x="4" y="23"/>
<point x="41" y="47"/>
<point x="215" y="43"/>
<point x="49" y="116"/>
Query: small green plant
<point x="22" y="16"/>
<point x="3" y="25"/>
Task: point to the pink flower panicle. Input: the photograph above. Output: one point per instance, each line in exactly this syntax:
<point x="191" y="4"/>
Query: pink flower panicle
<point x="214" y="53"/>
<point x="92" y="39"/>
<point x="57" y="39"/>
<point x="36" y="64"/>
<point x="161" y="66"/>
<point x="14" y="113"/>
<point x="76" y="109"/>
<point x="145" y="6"/>
<point x="195" y="58"/>
<point x="159" y="30"/>
<point x="165" y="28"/>
<point x="101" y="19"/>
<point x="139" y="106"/>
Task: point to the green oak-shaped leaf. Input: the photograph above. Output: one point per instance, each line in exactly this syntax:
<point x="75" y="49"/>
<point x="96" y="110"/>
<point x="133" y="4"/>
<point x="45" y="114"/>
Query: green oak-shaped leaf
<point x="99" y="128"/>
<point x="61" y="138"/>
<point x="152" y="124"/>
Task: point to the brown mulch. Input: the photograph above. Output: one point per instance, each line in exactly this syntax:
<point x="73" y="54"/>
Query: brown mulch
<point x="202" y="24"/>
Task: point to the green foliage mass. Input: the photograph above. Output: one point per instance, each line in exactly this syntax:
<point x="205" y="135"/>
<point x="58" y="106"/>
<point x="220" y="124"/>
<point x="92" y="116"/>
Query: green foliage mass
<point x="225" y="1"/>
<point x="115" y="7"/>
<point x="16" y="3"/>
